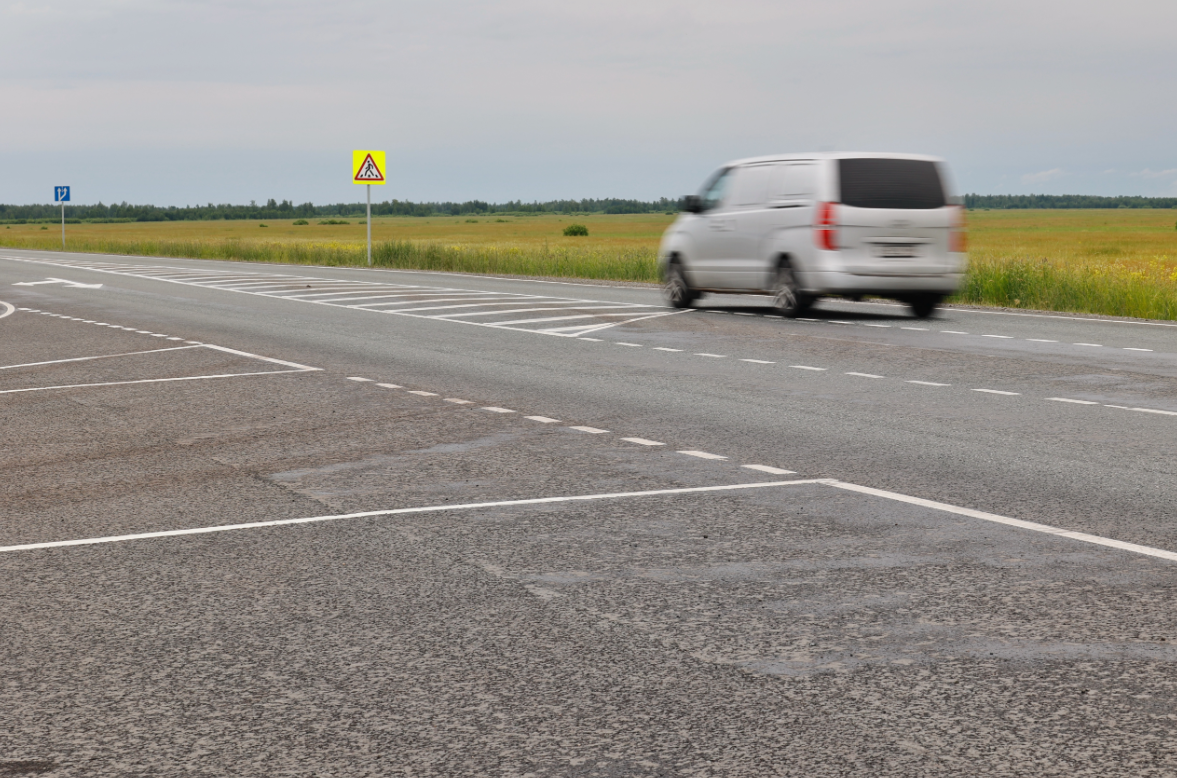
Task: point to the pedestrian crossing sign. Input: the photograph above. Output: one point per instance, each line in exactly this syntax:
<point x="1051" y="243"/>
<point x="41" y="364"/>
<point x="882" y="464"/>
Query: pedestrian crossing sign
<point x="367" y="167"/>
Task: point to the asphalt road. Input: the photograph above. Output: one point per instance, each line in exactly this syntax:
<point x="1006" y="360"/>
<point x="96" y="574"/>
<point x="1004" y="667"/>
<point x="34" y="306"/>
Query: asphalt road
<point x="854" y="544"/>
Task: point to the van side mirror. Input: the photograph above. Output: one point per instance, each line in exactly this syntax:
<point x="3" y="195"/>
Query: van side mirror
<point x="692" y="204"/>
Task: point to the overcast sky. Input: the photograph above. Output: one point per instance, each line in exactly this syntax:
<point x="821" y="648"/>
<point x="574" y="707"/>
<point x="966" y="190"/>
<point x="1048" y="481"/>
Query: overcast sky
<point x="236" y="100"/>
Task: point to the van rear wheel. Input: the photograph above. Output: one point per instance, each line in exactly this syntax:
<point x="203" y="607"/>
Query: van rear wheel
<point x="678" y="292"/>
<point x="786" y="297"/>
<point x="924" y="305"/>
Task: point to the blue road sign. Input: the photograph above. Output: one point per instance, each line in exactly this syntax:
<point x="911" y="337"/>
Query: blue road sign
<point x="61" y="194"/>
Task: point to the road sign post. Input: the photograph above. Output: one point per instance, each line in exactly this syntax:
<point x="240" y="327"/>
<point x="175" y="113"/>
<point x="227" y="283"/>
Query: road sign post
<point x="61" y="195"/>
<point x="367" y="167"/>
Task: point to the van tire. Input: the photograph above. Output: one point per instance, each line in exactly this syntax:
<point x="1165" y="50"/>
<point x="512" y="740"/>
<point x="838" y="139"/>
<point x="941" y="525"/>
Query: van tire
<point x="924" y="305"/>
<point x="676" y="289"/>
<point x="787" y="298"/>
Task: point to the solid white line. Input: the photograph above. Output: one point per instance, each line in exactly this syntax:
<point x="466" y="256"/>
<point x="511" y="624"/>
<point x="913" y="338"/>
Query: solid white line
<point x="147" y="381"/>
<point x="401" y="511"/>
<point x="927" y="383"/>
<point x="807" y="367"/>
<point x="865" y="375"/>
<point x="1080" y="536"/>
<point x="9" y="309"/>
<point x="663" y="348"/>
<point x="1129" y="348"/>
<point x="264" y="359"/>
<point x="1154" y="410"/>
<point x="543" y="419"/>
<point x="592" y="430"/>
<point x="494" y="409"/>
<point x="104" y="356"/>
<point x="643" y="442"/>
<point x="357" y="378"/>
<point x="767" y="469"/>
<point x="996" y="391"/>
<point x="758" y="361"/>
<point x="702" y="455"/>
<point x="1069" y="400"/>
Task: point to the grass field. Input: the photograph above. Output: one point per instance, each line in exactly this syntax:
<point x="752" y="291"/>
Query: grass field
<point x="1115" y="262"/>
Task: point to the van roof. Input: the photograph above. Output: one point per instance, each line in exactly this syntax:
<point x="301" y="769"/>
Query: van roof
<point x="832" y="155"/>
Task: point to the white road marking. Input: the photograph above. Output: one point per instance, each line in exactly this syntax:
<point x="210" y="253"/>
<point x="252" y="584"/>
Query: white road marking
<point x="953" y="332"/>
<point x="865" y="375"/>
<point x="102" y="356"/>
<point x="1154" y="410"/>
<point x="543" y="419"/>
<point x="456" y="401"/>
<point x="1069" y="400"/>
<point x="390" y="386"/>
<point x="927" y="383"/>
<point x="357" y="378"/>
<point x="702" y="455"/>
<point x="592" y="430"/>
<point x="767" y="469"/>
<point x="399" y="511"/>
<point x="1129" y="348"/>
<point x="423" y="394"/>
<point x="264" y="359"/>
<point x="494" y="409"/>
<point x="884" y="326"/>
<point x="9" y="309"/>
<point x="632" y="345"/>
<point x="643" y="442"/>
<point x="594" y="340"/>
<point x="801" y="318"/>
<point x="1096" y="345"/>
<point x="838" y="321"/>
<point x="1003" y="337"/>
<point x="150" y="381"/>
<point x="919" y="329"/>
<point x="758" y="361"/>
<point x="716" y="356"/>
<point x="807" y="367"/>
<point x="663" y="348"/>
<point x="1120" y="407"/>
<point x="996" y="391"/>
<point x="174" y="338"/>
<point x="1029" y="525"/>
<point x="1041" y="340"/>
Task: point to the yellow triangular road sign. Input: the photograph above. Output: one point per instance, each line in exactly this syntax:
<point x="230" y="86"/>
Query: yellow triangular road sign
<point x="367" y="167"/>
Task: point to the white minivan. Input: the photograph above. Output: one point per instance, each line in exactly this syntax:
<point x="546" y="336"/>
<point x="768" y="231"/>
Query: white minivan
<point x="802" y="226"/>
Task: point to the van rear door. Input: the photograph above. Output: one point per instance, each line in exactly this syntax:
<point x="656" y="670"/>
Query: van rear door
<point x="894" y="217"/>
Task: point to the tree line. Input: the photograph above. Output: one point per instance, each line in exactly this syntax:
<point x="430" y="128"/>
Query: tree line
<point x="1011" y="202"/>
<point x="272" y="209"/>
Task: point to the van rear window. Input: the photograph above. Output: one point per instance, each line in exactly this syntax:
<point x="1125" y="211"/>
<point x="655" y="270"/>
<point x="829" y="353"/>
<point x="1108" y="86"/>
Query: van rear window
<point x="891" y="183"/>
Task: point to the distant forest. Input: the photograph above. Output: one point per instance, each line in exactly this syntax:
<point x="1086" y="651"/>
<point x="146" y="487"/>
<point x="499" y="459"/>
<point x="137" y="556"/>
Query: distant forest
<point x="122" y="212"/>
<point x="272" y="209"/>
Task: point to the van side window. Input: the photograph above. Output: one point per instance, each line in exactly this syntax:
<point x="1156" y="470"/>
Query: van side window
<point x="713" y="192"/>
<point x="793" y="181"/>
<point x="751" y="185"/>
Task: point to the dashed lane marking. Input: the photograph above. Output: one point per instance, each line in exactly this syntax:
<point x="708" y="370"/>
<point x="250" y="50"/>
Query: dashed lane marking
<point x="996" y="391"/>
<point x="423" y="394"/>
<point x="1069" y="400"/>
<point x="702" y="454"/>
<point x="591" y="430"/>
<point x="1093" y="345"/>
<point x="543" y="419"/>
<point x="495" y="409"/>
<point x="643" y="442"/>
<point x="456" y="401"/>
<point x="663" y="348"/>
<point x="390" y="386"/>
<point x="357" y="378"/>
<point x="928" y="383"/>
<point x="865" y="375"/>
<point x="758" y="361"/>
<point x="633" y="345"/>
<point x="715" y="356"/>
<point x="807" y="367"/>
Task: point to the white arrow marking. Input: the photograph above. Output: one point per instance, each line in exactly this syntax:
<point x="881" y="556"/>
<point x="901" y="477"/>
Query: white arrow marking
<point x="72" y="284"/>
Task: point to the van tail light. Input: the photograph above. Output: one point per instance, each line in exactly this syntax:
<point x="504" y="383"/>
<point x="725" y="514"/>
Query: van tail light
<point x="825" y="231"/>
<point x="957" y="237"/>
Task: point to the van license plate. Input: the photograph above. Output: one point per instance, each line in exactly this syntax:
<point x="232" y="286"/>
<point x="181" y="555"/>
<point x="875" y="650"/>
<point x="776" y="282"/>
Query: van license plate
<point x="896" y="250"/>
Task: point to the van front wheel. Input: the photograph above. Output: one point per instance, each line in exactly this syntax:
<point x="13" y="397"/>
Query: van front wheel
<point x="786" y="297"/>
<point x="678" y="292"/>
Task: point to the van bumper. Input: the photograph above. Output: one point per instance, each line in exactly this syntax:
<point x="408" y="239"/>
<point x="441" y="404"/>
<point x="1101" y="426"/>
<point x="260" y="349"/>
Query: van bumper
<point x="840" y="282"/>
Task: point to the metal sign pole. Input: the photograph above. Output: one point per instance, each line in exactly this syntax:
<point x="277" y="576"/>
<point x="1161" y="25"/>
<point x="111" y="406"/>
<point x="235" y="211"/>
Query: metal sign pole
<point x="369" y="187"/>
<point x="63" y="225"/>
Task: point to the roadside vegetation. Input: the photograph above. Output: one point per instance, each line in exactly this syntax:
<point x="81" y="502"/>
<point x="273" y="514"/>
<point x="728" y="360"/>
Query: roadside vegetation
<point x="1117" y="261"/>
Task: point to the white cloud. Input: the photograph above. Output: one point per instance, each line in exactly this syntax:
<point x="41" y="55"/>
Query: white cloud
<point x="1149" y="173"/>
<point x="1042" y="177"/>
